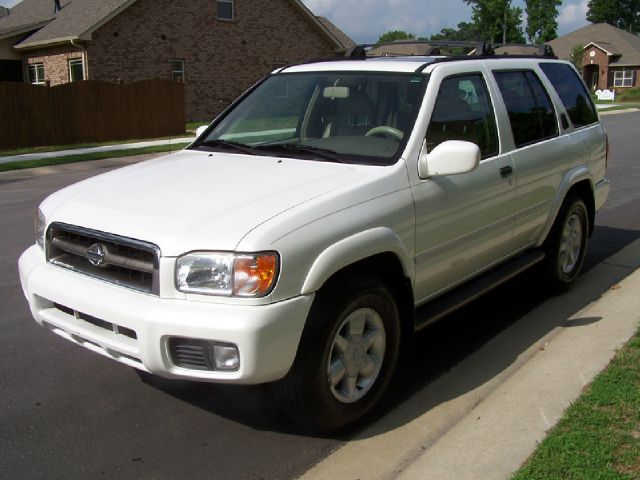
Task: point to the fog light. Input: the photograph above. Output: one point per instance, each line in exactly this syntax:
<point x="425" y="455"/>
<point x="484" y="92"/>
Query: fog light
<point x="226" y="357"/>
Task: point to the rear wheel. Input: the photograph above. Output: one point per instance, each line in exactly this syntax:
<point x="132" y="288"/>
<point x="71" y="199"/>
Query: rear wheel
<point x="346" y="357"/>
<point x="566" y="245"/>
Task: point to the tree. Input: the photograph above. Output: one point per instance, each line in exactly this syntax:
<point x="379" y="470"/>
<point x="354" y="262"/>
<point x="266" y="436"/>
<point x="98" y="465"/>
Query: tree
<point x="497" y="20"/>
<point x="623" y="14"/>
<point x="576" y="57"/>
<point x="541" y="20"/>
<point x="395" y="35"/>
<point x="464" y="32"/>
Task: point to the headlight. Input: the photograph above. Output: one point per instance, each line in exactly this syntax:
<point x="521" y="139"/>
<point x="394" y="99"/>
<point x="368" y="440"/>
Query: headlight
<point x="39" y="225"/>
<point x="229" y="274"/>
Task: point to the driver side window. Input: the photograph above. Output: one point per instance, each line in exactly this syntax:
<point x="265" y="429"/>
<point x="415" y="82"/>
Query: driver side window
<point x="463" y="111"/>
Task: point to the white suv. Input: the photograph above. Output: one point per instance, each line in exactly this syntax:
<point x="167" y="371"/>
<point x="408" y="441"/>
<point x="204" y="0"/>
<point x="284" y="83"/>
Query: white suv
<point x="331" y="211"/>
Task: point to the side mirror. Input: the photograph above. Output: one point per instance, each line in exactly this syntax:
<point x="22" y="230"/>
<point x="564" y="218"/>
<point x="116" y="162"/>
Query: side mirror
<point x="453" y="157"/>
<point x="200" y="130"/>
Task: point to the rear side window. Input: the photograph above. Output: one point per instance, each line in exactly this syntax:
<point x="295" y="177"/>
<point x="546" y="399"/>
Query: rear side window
<point x="531" y="113"/>
<point x="463" y="111"/>
<point x="572" y="92"/>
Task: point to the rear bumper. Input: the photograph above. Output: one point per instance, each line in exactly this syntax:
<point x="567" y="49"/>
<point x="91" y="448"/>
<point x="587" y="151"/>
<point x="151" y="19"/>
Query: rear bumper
<point x="134" y="328"/>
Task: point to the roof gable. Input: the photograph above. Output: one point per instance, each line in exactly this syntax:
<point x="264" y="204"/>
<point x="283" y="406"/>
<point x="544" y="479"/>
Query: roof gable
<point x="78" y="19"/>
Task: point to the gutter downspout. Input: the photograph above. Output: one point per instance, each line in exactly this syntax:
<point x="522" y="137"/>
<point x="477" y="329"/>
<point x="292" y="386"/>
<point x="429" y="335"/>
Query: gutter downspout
<point x="85" y="67"/>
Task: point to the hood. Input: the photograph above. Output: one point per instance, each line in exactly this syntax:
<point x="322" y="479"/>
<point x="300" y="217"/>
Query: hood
<point x="195" y="200"/>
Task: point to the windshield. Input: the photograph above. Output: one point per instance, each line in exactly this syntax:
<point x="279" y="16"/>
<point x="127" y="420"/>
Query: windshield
<point x="351" y="117"/>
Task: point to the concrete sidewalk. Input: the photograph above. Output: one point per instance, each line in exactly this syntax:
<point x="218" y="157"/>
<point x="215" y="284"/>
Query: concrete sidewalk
<point x="484" y="418"/>
<point x="102" y="148"/>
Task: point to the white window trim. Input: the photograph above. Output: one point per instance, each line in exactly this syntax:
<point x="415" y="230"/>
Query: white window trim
<point x="39" y="81"/>
<point x="174" y="71"/>
<point x="623" y="78"/>
<point x="233" y="10"/>
<point x="72" y="60"/>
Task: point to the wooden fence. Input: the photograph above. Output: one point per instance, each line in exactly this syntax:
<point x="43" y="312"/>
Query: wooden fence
<point x="89" y="111"/>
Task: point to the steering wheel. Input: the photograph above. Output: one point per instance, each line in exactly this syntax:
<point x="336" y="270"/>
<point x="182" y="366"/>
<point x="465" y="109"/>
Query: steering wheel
<point x="385" y="130"/>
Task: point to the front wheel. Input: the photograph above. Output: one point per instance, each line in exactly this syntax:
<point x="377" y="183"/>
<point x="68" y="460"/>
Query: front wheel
<point x="566" y="245"/>
<point x="346" y="357"/>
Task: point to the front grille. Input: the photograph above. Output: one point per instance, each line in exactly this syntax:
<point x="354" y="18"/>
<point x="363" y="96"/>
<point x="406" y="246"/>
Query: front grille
<point x="123" y="261"/>
<point x="188" y="353"/>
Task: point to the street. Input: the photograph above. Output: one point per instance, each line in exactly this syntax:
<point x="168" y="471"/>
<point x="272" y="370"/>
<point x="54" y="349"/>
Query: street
<point x="68" y="413"/>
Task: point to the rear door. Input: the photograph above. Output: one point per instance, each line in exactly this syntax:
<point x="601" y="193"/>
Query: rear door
<point x="541" y="153"/>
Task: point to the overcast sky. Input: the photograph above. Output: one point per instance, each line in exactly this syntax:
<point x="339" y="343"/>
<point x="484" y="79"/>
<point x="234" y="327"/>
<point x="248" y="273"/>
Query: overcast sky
<point x="365" y="20"/>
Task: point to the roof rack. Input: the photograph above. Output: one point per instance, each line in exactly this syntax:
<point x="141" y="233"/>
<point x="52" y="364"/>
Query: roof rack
<point x="478" y="49"/>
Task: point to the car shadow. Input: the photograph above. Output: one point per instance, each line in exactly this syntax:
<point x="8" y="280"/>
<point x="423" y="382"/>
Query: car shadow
<point x="434" y="352"/>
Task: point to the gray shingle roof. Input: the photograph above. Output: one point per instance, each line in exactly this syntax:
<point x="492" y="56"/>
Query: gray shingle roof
<point x="28" y="14"/>
<point x="77" y="18"/>
<point x="624" y="45"/>
<point x="338" y="34"/>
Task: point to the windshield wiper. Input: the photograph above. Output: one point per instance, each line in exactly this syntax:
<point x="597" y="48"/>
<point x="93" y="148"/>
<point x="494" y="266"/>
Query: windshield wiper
<point x="324" y="153"/>
<point x="241" y="147"/>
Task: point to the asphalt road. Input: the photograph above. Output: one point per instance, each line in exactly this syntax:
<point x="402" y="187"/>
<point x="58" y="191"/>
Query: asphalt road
<point x="68" y="413"/>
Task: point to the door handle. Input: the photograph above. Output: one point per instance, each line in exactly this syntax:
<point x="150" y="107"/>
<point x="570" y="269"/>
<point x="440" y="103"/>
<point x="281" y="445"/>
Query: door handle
<point x="506" y="171"/>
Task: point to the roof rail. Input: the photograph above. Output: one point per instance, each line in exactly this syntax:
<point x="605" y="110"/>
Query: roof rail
<point x="478" y="49"/>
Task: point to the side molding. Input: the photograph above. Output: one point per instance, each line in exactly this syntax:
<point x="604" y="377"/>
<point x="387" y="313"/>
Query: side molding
<point x="352" y="249"/>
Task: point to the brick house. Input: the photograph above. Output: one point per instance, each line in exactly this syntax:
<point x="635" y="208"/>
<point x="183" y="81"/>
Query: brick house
<point x="217" y="47"/>
<point x="611" y="56"/>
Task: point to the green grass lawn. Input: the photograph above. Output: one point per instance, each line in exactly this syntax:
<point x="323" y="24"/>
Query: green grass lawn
<point x="88" y="157"/>
<point x="599" y="435"/>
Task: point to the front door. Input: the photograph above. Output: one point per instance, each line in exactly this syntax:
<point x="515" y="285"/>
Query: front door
<point x="464" y="223"/>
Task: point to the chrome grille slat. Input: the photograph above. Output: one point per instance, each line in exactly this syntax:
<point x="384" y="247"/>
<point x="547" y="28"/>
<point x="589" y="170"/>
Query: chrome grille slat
<point x="123" y="261"/>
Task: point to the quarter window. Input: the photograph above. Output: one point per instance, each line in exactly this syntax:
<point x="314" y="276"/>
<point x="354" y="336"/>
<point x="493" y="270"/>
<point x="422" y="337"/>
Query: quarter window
<point x="531" y="113"/>
<point x="76" y="70"/>
<point x="177" y="70"/>
<point x="463" y="111"/>
<point x="623" y="78"/>
<point x="572" y="93"/>
<point x="36" y="73"/>
<point x="224" y="9"/>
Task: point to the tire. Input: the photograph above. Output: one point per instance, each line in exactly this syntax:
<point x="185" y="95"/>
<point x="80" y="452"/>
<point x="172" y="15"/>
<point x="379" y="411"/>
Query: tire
<point x="346" y="357"/>
<point x="566" y="245"/>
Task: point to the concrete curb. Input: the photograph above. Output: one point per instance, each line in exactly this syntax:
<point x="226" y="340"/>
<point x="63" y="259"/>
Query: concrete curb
<point x="102" y="148"/>
<point x="465" y="428"/>
<point x="616" y="112"/>
<point x="77" y="166"/>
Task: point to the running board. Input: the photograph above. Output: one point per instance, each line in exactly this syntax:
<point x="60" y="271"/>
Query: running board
<point x="467" y="293"/>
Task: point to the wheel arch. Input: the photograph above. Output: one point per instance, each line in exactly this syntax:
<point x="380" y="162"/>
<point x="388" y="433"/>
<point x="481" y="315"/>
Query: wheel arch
<point x="580" y="182"/>
<point x="378" y="253"/>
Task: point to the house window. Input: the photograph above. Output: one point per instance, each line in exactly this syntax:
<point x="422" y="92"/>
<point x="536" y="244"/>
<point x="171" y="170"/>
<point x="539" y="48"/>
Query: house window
<point x="224" y="9"/>
<point x="623" y="78"/>
<point x="76" y="70"/>
<point x="36" y="73"/>
<point x="177" y="70"/>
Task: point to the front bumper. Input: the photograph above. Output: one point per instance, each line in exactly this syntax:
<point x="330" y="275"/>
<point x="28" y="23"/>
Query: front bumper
<point x="134" y="328"/>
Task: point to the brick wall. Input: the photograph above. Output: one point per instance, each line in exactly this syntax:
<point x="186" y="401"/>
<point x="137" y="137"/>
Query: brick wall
<point x="222" y="58"/>
<point x="56" y="62"/>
